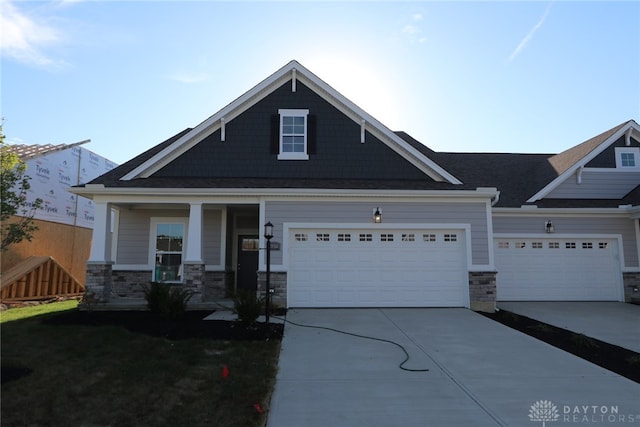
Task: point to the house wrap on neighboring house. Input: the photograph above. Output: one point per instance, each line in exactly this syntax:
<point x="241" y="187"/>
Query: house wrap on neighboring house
<point x="65" y="221"/>
<point x="454" y="229"/>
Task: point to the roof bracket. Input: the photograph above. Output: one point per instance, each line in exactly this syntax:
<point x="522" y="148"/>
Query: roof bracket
<point x="627" y="136"/>
<point x="579" y="175"/>
<point x="222" y="129"/>
<point x="293" y="80"/>
<point x="362" y="129"/>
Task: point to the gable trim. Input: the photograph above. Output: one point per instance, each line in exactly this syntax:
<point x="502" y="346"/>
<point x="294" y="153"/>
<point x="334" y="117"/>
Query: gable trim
<point x="296" y="72"/>
<point x="629" y="128"/>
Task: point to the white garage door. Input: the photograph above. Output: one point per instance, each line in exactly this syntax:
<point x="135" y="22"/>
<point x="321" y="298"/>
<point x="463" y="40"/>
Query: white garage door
<point x="557" y="269"/>
<point x="377" y="268"/>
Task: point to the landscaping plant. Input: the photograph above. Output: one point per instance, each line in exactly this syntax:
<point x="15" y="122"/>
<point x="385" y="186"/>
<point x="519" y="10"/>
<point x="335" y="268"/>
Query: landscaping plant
<point x="248" y="306"/>
<point x="170" y="302"/>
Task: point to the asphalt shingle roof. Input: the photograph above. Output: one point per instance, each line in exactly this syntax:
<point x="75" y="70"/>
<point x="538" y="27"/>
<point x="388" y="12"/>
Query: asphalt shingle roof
<point x="517" y="176"/>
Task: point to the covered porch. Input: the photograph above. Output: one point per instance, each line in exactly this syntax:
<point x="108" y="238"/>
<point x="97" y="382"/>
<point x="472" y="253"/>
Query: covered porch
<point x="209" y="248"/>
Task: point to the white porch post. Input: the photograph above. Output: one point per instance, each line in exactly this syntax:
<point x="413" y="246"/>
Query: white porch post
<point x="101" y="241"/>
<point x="194" y="235"/>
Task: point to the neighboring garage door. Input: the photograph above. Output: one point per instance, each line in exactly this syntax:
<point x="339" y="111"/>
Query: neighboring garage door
<point x="548" y="269"/>
<point x="377" y="268"/>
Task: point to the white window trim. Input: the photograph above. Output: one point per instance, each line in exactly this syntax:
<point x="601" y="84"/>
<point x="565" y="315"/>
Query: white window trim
<point x="633" y="150"/>
<point x="293" y="156"/>
<point x="152" y="242"/>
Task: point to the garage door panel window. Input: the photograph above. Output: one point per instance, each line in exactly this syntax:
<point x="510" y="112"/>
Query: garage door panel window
<point x="429" y="237"/>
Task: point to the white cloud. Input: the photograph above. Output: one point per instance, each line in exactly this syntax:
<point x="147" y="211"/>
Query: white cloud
<point x="413" y="31"/>
<point x="24" y="38"/>
<point x="529" y="36"/>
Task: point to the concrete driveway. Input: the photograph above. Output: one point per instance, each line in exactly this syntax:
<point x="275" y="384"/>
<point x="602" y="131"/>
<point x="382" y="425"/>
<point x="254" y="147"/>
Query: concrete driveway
<point x="612" y="322"/>
<point x="481" y="373"/>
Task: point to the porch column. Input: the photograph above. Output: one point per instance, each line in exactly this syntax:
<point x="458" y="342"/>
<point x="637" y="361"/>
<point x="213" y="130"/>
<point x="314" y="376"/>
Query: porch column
<point x="99" y="280"/>
<point x="101" y="241"/>
<point x="194" y="235"/>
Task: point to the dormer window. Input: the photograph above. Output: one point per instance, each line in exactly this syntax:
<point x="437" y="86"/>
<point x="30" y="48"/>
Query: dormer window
<point x="627" y="157"/>
<point x="293" y="135"/>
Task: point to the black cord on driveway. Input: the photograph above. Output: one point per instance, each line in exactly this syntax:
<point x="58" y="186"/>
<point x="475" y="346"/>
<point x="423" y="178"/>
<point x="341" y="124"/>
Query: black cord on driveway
<point x="401" y="365"/>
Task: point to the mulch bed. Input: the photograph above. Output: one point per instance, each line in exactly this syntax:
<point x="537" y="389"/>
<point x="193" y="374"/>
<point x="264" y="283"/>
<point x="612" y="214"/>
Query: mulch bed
<point x="616" y="359"/>
<point x="190" y="326"/>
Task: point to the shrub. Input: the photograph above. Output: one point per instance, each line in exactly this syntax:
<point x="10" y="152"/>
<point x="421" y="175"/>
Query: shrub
<point x="248" y="306"/>
<point x="170" y="302"/>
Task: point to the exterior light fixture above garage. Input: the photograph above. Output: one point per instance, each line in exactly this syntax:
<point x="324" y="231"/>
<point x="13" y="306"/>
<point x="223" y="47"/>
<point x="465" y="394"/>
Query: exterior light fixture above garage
<point x="377" y="216"/>
<point x="549" y="227"/>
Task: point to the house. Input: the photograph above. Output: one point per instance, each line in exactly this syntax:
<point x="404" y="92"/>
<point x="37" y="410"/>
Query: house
<point x="65" y="220"/>
<point x="363" y="216"/>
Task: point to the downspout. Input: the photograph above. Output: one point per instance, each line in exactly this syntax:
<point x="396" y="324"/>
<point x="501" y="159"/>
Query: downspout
<point x="496" y="199"/>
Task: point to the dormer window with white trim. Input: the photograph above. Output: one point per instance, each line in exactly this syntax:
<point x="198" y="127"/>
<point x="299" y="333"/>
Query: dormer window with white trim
<point x="293" y="135"/>
<point x="627" y="157"/>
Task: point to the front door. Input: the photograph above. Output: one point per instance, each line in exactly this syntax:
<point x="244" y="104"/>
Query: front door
<point x="247" y="267"/>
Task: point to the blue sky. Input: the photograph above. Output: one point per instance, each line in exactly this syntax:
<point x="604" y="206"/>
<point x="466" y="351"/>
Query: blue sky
<point x="458" y="76"/>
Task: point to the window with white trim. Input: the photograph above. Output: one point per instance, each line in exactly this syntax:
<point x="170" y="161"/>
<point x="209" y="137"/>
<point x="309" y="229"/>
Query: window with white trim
<point x="628" y="157"/>
<point x="168" y="237"/>
<point x="293" y="135"/>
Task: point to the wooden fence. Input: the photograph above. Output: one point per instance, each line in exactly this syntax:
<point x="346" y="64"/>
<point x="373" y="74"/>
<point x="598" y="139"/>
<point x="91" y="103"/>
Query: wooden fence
<point x="38" y="278"/>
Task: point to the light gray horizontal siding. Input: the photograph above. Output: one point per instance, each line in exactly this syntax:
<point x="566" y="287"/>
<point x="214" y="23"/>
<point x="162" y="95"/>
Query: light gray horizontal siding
<point x="397" y="213"/>
<point x="597" y="185"/>
<point x="211" y="236"/>
<point x="575" y="225"/>
<point x="133" y="233"/>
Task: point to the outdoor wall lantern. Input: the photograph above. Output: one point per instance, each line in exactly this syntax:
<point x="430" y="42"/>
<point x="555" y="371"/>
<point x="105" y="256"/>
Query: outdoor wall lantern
<point x="268" y="234"/>
<point x="377" y="216"/>
<point x="549" y="227"/>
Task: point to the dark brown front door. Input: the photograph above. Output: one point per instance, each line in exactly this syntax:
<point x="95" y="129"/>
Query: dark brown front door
<point x="247" y="268"/>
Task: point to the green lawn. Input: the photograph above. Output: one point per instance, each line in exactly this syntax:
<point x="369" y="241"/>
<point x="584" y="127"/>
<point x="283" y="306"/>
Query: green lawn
<point x="109" y="376"/>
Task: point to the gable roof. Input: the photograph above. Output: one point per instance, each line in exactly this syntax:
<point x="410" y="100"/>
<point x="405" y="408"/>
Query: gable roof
<point x="567" y="162"/>
<point x="293" y="71"/>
